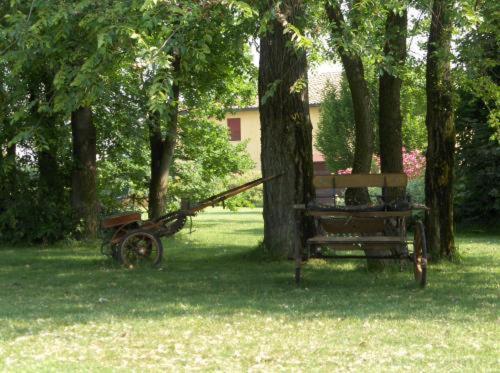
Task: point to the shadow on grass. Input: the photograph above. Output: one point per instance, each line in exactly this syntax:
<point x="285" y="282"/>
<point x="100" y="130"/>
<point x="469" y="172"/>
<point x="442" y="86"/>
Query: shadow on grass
<point x="79" y="286"/>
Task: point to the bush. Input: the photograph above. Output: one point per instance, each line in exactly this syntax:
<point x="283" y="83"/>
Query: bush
<point x="29" y="214"/>
<point x="416" y="190"/>
<point x="335" y="137"/>
<point x="477" y="191"/>
<point x="251" y="198"/>
<point x="206" y="163"/>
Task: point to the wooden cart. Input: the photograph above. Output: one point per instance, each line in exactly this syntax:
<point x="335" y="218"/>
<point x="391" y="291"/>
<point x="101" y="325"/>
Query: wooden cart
<point x="379" y="230"/>
<point x="135" y="242"/>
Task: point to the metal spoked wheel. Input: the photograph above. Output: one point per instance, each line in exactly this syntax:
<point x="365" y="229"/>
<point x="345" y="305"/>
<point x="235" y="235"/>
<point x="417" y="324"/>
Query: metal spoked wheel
<point x="140" y="249"/>
<point x="420" y="254"/>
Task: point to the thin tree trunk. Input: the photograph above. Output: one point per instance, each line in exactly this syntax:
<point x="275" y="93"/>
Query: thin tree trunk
<point x="390" y="120"/>
<point x="7" y="176"/>
<point x="11" y="154"/>
<point x="354" y="69"/>
<point x="162" y="150"/>
<point x="83" y="184"/>
<point x="50" y="183"/>
<point x="7" y="162"/>
<point x="440" y="134"/>
<point x="286" y="133"/>
<point x="49" y="180"/>
<point x="162" y="154"/>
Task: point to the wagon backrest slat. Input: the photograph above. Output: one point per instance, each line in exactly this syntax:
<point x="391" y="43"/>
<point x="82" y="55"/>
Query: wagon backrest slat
<point x="352" y="225"/>
<point x="328" y="187"/>
<point x="360" y="181"/>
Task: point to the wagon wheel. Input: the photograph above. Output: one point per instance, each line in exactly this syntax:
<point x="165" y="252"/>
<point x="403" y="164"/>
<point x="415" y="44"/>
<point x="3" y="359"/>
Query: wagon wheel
<point x="420" y="254"/>
<point x="140" y="249"/>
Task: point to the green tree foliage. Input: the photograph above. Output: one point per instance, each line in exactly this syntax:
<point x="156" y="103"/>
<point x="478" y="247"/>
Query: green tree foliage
<point x="478" y="149"/>
<point x="478" y="56"/>
<point x="115" y="58"/>
<point x="204" y="164"/>
<point x="413" y="104"/>
<point x="335" y="133"/>
<point x="200" y="64"/>
<point x="204" y="160"/>
<point x="477" y="164"/>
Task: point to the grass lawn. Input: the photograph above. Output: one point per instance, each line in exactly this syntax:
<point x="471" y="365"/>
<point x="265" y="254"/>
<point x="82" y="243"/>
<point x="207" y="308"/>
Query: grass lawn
<point x="215" y="306"/>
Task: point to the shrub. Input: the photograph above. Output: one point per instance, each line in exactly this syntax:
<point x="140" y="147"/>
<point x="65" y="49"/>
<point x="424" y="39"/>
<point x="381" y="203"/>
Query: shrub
<point x="29" y="214"/>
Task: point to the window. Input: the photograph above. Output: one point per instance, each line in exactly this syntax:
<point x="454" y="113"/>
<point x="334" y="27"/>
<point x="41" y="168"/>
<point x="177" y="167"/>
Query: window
<point x="234" y="126"/>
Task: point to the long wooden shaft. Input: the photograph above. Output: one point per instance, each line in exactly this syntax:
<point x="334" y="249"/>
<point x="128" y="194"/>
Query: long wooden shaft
<point x="210" y="201"/>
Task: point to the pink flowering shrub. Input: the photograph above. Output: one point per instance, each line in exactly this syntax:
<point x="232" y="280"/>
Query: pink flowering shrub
<point x="413" y="164"/>
<point x="347" y="171"/>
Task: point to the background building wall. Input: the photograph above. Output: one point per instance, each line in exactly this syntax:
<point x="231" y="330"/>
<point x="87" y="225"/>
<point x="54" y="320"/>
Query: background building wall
<point x="250" y="130"/>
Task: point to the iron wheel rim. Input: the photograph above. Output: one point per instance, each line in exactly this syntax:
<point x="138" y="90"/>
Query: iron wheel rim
<point x="140" y="249"/>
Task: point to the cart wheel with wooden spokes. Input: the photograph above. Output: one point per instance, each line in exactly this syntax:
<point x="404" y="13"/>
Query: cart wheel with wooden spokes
<point x="140" y="249"/>
<point x="420" y="254"/>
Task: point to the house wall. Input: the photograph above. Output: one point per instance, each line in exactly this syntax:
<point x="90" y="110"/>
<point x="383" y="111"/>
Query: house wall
<point x="314" y="113"/>
<point x="250" y="129"/>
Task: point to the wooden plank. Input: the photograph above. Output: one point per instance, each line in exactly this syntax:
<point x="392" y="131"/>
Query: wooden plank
<point x="356" y="239"/>
<point x="360" y="181"/>
<point x="361" y="214"/>
<point x="328" y="201"/>
<point x="325" y="196"/>
<point x="120" y="219"/>
<point x="364" y="247"/>
<point x="354" y="225"/>
<point x="325" y="192"/>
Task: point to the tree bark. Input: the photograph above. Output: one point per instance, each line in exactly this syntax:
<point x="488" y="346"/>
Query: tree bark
<point x="440" y="134"/>
<point x="390" y="120"/>
<point x="354" y="69"/>
<point x="286" y="132"/>
<point x="83" y="184"/>
<point x="162" y="149"/>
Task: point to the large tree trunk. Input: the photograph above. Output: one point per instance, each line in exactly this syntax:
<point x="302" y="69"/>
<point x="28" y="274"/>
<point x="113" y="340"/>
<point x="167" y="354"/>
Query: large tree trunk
<point x="84" y="193"/>
<point x="440" y="134"/>
<point x="354" y="69"/>
<point x="390" y="120"/>
<point x="162" y="150"/>
<point x="286" y="133"/>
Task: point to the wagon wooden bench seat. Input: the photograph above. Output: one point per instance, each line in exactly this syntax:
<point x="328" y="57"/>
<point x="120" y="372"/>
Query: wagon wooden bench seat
<point x="354" y="214"/>
<point x="342" y="241"/>
<point x="379" y="230"/>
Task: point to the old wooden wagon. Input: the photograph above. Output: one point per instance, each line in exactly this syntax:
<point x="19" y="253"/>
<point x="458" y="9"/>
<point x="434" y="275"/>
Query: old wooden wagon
<point x="135" y="242"/>
<point x="379" y="230"/>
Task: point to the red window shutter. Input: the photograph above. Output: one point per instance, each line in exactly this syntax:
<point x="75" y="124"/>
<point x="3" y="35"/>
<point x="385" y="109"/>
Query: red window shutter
<point x="234" y="126"/>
